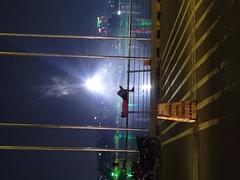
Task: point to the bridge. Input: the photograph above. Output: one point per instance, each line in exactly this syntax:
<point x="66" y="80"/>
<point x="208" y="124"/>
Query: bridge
<point x="172" y="52"/>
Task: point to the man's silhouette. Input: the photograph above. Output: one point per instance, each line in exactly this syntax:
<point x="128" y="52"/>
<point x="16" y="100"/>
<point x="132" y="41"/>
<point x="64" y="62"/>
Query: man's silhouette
<point x="123" y="93"/>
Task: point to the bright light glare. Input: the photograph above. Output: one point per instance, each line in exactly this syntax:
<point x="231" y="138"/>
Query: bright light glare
<point x="119" y="12"/>
<point x="95" y="84"/>
<point x="146" y="87"/>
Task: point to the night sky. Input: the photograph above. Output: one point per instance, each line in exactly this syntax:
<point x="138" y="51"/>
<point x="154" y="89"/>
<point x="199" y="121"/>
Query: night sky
<point x="38" y="90"/>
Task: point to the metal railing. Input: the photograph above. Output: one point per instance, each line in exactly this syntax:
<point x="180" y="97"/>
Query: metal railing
<point x="138" y="75"/>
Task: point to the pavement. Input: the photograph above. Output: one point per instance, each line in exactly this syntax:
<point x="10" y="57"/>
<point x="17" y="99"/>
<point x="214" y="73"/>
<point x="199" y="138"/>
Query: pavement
<point x="199" y="60"/>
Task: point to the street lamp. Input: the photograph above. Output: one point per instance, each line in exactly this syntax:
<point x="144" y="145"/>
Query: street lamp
<point x="95" y="84"/>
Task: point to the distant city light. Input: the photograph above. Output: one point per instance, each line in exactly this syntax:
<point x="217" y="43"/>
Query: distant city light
<point x="119" y="12"/>
<point x="98" y="22"/>
<point x="129" y="174"/>
<point x="146" y="87"/>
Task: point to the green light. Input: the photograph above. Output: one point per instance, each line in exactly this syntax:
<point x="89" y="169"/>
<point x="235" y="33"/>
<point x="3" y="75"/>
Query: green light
<point x="129" y="175"/>
<point x="143" y="23"/>
<point x="98" y="22"/>
<point x="117" y="136"/>
<point x="115" y="173"/>
<point x="130" y="136"/>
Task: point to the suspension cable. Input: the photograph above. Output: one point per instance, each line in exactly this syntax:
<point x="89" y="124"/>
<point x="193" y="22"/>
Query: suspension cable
<point x="58" y="126"/>
<point x="74" y="56"/>
<point x="69" y="149"/>
<point x="59" y="36"/>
